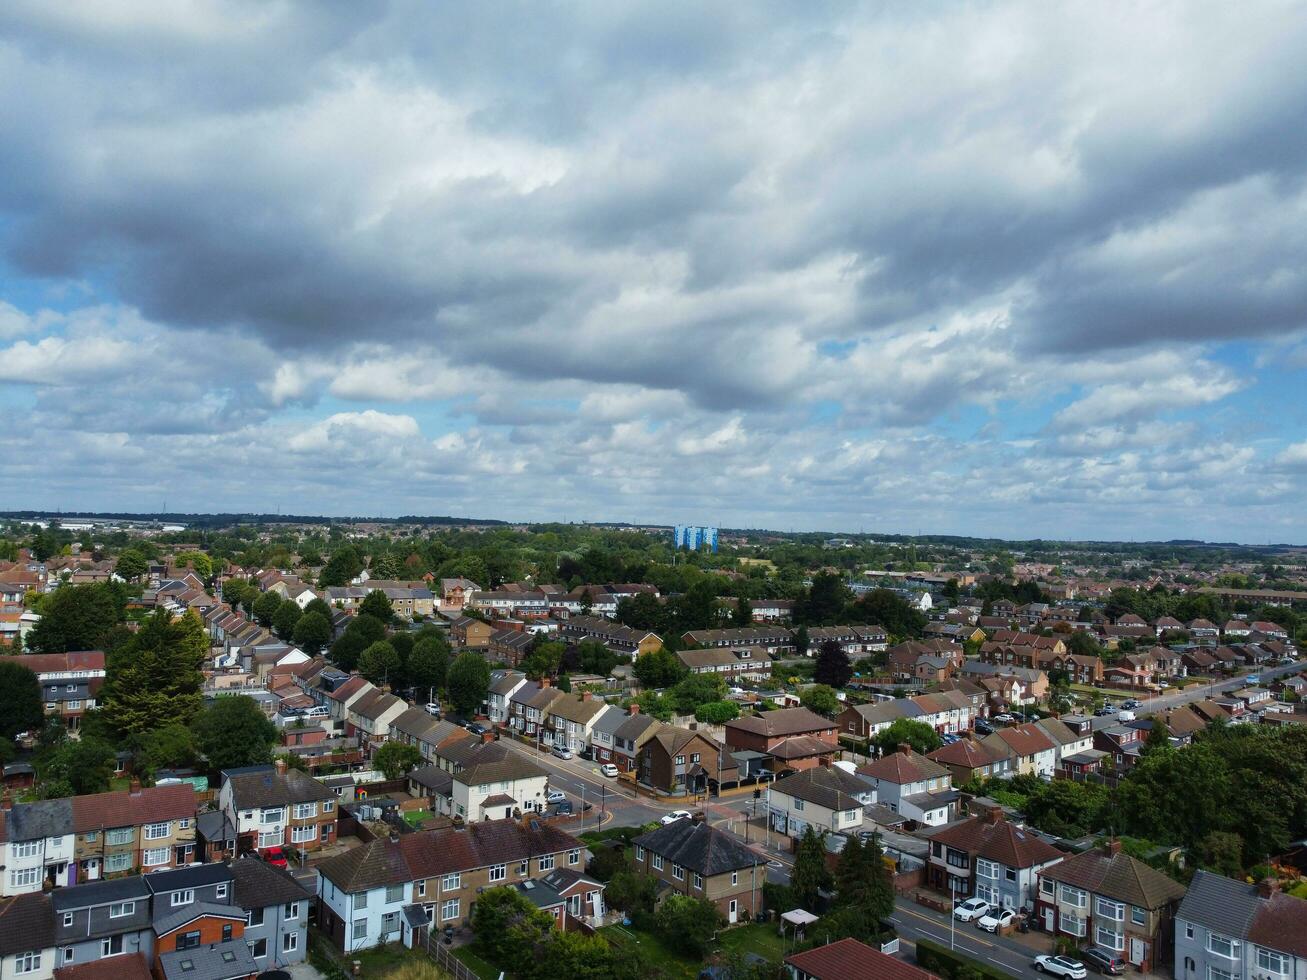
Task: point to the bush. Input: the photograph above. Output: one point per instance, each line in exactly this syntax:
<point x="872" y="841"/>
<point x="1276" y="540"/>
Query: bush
<point x="953" y="965"/>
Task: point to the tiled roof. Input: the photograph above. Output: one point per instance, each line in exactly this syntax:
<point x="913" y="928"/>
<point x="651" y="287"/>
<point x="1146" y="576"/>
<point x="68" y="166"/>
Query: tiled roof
<point x="830" y="787"/>
<point x="1117" y="876"/>
<point x="260" y="885"/>
<point x="124" y="808"/>
<point x="785" y="721"/>
<point x="849" y="959"/>
<point x="904" y="767"/>
<point x="998" y="840"/>
<point x="270" y="788"/>
<point x="966" y="753"/>
<point x="495" y="762"/>
<point x="129" y="967"/>
<point x="26" y="923"/>
<point x="1236" y="909"/>
<point x="1023" y="740"/>
<point x="49" y="663"/>
<point x="699" y="847"/>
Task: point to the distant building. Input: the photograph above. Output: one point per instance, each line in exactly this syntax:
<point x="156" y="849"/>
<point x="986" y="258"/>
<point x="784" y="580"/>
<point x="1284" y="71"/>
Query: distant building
<point x="691" y="537"/>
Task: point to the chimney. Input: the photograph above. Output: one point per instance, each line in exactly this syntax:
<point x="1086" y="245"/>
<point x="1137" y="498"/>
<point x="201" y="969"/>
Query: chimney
<point x="545" y="682"/>
<point x="634" y="709"/>
<point x="281" y="767"/>
<point x="991" y="814"/>
<point x="585" y="695"/>
<point x="394" y="836"/>
<point x="1267" y="887"/>
<point x="1112" y="847"/>
<point x="905" y="748"/>
<point x="135" y="787"/>
<point x="487" y="736"/>
<point x="6" y="801"/>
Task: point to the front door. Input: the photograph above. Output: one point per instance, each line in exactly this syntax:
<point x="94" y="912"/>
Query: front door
<point x="1136" y="951"/>
<point x="1048" y="920"/>
<point x="731" y="915"/>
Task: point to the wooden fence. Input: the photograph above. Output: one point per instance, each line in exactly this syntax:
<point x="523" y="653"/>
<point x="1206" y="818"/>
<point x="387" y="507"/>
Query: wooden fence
<point x="446" y="960"/>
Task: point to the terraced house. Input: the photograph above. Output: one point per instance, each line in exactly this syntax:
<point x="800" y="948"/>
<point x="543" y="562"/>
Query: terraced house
<point x="271" y="807"/>
<point x="398" y="888"/>
<point x="57" y="843"/>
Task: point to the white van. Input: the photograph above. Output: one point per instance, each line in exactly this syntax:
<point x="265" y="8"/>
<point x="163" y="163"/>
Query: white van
<point x="1125" y="716"/>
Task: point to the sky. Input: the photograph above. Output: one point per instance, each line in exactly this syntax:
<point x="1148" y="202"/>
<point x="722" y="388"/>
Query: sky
<point x="1011" y="269"/>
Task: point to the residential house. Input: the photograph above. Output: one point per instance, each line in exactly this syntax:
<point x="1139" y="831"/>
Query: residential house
<point x="569" y="720"/>
<point x="988" y="857"/>
<point x="913" y="786"/>
<point x="616" y="637"/>
<point x="70" y="682"/>
<point x="277" y="910"/>
<point x="967" y="759"/>
<point x="469" y="633"/>
<point x="490" y="782"/>
<point x="398" y="888"/>
<point x="503" y="683"/>
<point x="1122" y="744"/>
<point x="694" y="859"/>
<point x="849" y="959"/>
<point x="1270" y="631"/>
<point x="825" y="798"/>
<point x="528" y="707"/>
<point x="1029" y="747"/>
<point x="27" y="947"/>
<point x="271" y="807"/>
<point x="454" y="592"/>
<point x="733" y="664"/>
<point x="1233" y="930"/>
<point x="1113" y="901"/>
<point x="1235" y="629"/>
<point x="630" y="738"/>
<point x="794" y="738"/>
<point x="103" y="919"/>
<point x="774" y="639"/>
<point x="1201" y="629"/>
<point x="603" y="733"/>
<point x="680" y="761"/>
<point x="509" y="645"/>
<point x="368" y="717"/>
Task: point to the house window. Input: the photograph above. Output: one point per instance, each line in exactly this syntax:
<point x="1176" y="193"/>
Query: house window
<point x="449" y="910"/>
<point x="187" y="940"/>
<point x="1008" y="873"/>
<point x="680" y="760"/>
<point x="119" y="910"/>
<point x="389" y="923"/>
<point x="259" y="948"/>
<point x="639" y="853"/>
<point x="735" y="877"/>
<point x="1216" y="973"/>
<point x="27" y="962"/>
<point x="68" y="919"/>
<point x="1075" y="897"/>
<point x="300" y="835"/>
<point x="27" y="849"/>
<point x="290" y="941"/>
<point x="694" y="757"/>
<point x="183" y="897"/>
<point x="221" y="890"/>
<point x="1188" y="930"/>
<point x="1072" y="924"/>
<point x="1271" y="961"/>
<point x="155" y="831"/>
<point x="1138" y="916"/>
<point x="184" y="823"/>
<point x="798" y="805"/>
<point x="270" y="815"/>
<point x="120" y="835"/>
<point x="574" y="857"/>
<point x="361" y="900"/>
<point x="113" y="946"/>
<point x="303" y="810"/>
<point x="360" y="930"/>
<point x="68" y="954"/>
<point x="226" y="932"/>
<point x="1110" y="938"/>
<point x="394" y="893"/>
<point x="657" y="862"/>
<point x="986" y="868"/>
<point x="291" y="910"/>
<point x="452" y="882"/>
<point x="328" y="806"/>
<point x="1108" y="909"/>
<point x="156" y="856"/>
<point x="421" y="889"/>
<point x="269" y="838"/>
<point x="498" y="872"/>
<point x="678" y="872"/>
<point x="1220" y="945"/>
<point x="254" y="917"/>
<point x="697" y="881"/>
<point x="546" y="862"/>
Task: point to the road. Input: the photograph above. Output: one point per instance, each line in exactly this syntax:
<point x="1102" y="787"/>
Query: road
<point x="914" y="922"/>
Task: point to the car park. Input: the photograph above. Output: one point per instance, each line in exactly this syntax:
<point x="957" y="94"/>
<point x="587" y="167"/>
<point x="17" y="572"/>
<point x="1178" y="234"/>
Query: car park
<point x="1061" y="966"/>
<point x="996" y="919"/>
<point x="972" y="908"/>
<point x="676" y="815"/>
<point x="555" y="796"/>
<point x="562" y="752"/>
<point x="1103" y="962"/>
<point x="609" y="770"/>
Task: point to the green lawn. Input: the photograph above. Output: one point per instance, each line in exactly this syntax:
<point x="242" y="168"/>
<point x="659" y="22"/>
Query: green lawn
<point x="672" y="962"/>
<point x="760" y="938"/>
<point x="476" y="964"/>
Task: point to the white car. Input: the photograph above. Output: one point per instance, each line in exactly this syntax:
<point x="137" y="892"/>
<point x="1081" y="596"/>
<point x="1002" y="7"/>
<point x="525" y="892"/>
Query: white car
<point x="972" y="908"/>
<point x="1061" y="966"/>
<point x="676" y="815"/>
<point x="996" y="919"/>
<point x="555" y="796"/>
<point x="433" y="708"/>
<point x="609" y="770"/>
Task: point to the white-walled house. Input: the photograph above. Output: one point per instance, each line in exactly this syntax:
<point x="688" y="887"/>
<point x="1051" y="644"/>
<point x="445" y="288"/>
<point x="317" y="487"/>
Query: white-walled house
<point x="913" y="786"/>
<point x="27" y="950"/>
<point x="826" y="799"/>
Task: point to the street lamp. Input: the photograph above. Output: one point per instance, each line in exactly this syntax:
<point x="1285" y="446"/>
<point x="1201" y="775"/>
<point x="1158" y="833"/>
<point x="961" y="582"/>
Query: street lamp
<point x="953" y="901"/>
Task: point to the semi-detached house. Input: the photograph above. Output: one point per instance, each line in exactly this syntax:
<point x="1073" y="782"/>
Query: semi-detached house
<point x="1234" y="930"/>
<point x="569" y="720"/>
<point x="913" y="786"/>
<point x="272" y="807"/>
<point x="988" y="857"/>
<point x="826" y="799"/>
<point x="70" y="682"/>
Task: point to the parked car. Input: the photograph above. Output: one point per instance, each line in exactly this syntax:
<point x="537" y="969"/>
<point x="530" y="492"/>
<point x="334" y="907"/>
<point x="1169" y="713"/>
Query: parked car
<point x="1131" y="703"/>
<point x="676" y="815"/>
<point x="274" y="856"/>
<point x="996" y="919"/>
<point x="433" y="708"/>
<point x="564" y="807"/>
<point x="1125" y="716"/>
<point x="562" y="752"/>
<point x="1061" y="966"/>
<point x="1005" y="718"/>
<point x="609" y="770"/>
<point x="1104" y="711"/>
<point x="475" y="727"/>
<point x="1104" y="962"/>
<point x="984" y="727"/>
<point x="1252" y="679"/>
<point x="555" y="796"/>
<point x="972" y="908"/>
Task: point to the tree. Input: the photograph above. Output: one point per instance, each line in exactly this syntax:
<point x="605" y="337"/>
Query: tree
<point x="85" y="765"/>
<point x="1068" y="808"/>
<point x="312" y="632"/>
<point x="661" y="668"/>
<point x="131" y="565"/>
<point x="821" y="699"/>
<point x="233" y="732"/>
<point x="236" y="592"/>
<point x="287" y="616"/>
<point x="469" y="682"/>
<point x="833" y="666"/>
<point x="1082" y="644"/>
<point x="395" y="759"/>
<point x="153" y="679"/>
<point x="801" y="641"/>
<point x="688" y="924"/>
<point x="864" y="881"/>
<point x="199" y="561"/>
<point x="429" y="662"/>
<point x="743" y="613"/>
<point x="320" y="606"/>
<point x="342" y="567"/>
<point x="379" y="663"/>
<point x="885" y="608"/>
<point x="1158" y="737"/>
<point x="76" y="617"/>
<point x="265" y="608"/>
<point x="377" y="603"/>
<point x="592" y="657"/>
<point x="905" y="731"/>
<point x="21" y="707"/>
<point x="825" y="601"/>
<point x="509" y="927"/>
<point x="386" y="568"/>
<point x="693" y="690"/>
<point x="565" y="683"/>
<point x="170" y="747"/>
<point x="716" y="712"/>
<point x="809" y="874"/>
<point x="543" y="660"/>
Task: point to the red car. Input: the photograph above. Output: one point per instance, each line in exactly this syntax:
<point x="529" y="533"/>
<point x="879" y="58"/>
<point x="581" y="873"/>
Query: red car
<point x="274" y="856"/>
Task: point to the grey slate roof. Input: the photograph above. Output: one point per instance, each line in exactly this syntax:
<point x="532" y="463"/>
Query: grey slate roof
<point x="433" y="778"/>
<point x="268" y="788"/>
<point x="260" y="885"/>
<point x="26" y="923"/>
<point x="700" y="848"/>
<point x="609" y="720"/>
<point x="1220" y="903"/>
<point x="832" y="788"/>
<point x="222" y="961"/>
<point x="44" y="818"/>
<point x="99" y="893"/>
<point x="191" y="876"/>
<point x="167" y="919"/>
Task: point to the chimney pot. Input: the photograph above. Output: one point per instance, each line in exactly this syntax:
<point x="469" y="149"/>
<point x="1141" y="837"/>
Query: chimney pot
<point x="281" y="767"/>
<point x="1112" y="846"/>
<point x="585" y="695"/>
<point x="905" y="748"/>
<point x="545" y="682"/>
<point x="634" y="709"/>
<point x="135" y="787"/>
<point x="1268" y="886"/>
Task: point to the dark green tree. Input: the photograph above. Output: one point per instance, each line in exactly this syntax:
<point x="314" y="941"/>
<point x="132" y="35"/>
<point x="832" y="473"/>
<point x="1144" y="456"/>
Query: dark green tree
<point x="821" y="699"/>
<point x="743" y="613"/>
<point x="265" y="608"/>
<point x="154" y="678"/>
<point x="429" y="662"/>
<point x="312" y="632"/>
<point x="379" y="663"/>
<point x="716" y="712"/>
<point x="658" y="669"/>
<point x="21" y="707"/>
<point x="833" y="666"/>
<point x="77" y="617"/>
<point x="824" y="603"/>
<point x="810" y="874"/>
<point x="85" y="765"/>
<point x="233" y="732"/>
<point x="689" y="925"/>
<point x="469" y="682"/>
<point x="342" y="567"/>
<point x="906" y="731"/>
<point x="394" y="759"/>
<point x="376" y="603"/>
<point x="131" y="564"/>
<point x="284" y="621"/>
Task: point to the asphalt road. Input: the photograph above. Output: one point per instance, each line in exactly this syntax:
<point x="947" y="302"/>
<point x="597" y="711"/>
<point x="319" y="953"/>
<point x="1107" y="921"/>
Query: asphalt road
<point x="914" y="922"/>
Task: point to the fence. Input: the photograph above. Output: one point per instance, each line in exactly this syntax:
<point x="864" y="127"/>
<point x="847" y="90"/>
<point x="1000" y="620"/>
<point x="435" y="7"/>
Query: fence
<point x="447" y="961"/>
